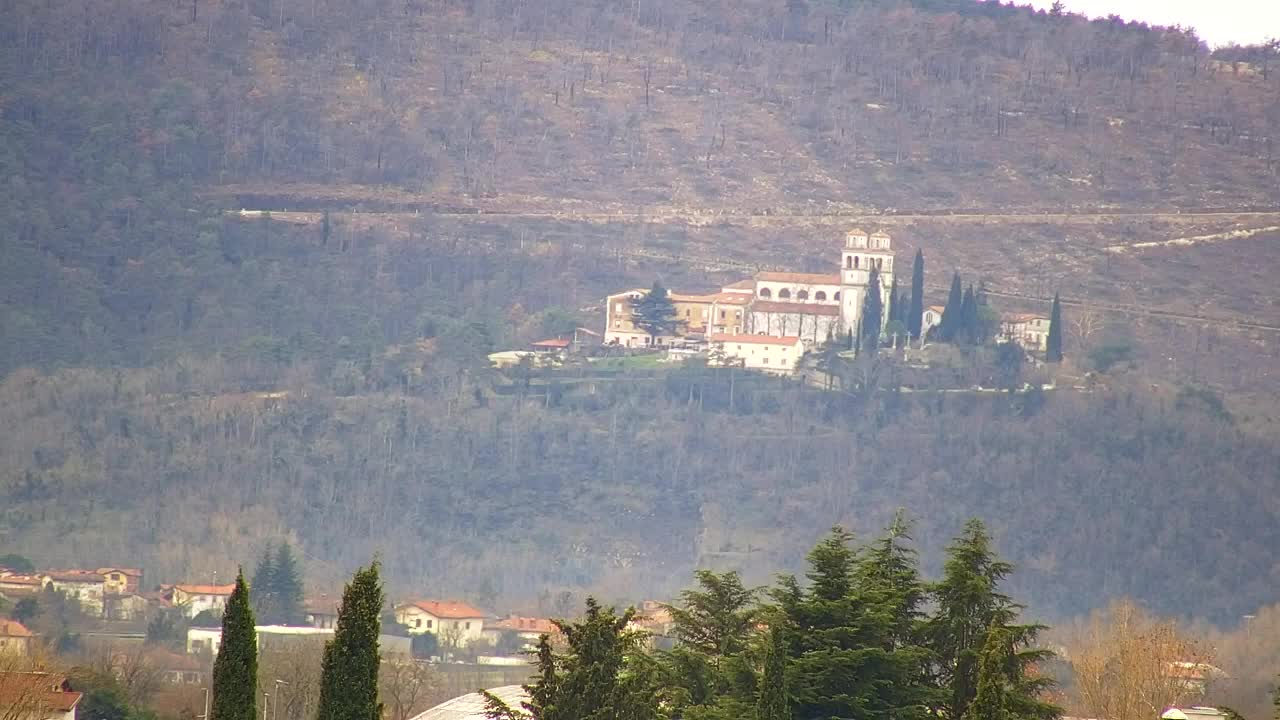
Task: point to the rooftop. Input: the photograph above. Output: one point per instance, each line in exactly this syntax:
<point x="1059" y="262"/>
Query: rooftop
<point x="13" y="628"/>
<point x="756" y="339"/>
<point x="205" y="589"/>
<point x="472" y="705"/>
<point x="524" y="624"/>
<point x="553" y="343"/>
<point x="802" y="278"/>
<point x="48" y="691"/>
<point x="452" y="609"/>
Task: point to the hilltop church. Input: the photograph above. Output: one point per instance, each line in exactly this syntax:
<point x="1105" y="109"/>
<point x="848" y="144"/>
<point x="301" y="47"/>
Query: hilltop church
<point x="806" y="306"/>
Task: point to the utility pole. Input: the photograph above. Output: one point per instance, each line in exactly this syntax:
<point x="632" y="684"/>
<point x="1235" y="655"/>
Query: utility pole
<point x="275" y="702"/>
<point x="265" y="697"/>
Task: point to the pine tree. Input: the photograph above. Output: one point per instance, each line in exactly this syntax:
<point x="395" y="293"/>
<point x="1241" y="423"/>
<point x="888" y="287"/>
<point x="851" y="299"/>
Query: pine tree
<point x="969" y="602"/>
<point x="654" y="313"/>
<point x="772" y="703"/>
<point x="716" y="618"/>
<point x="1053" y="344"/>
<point x="915" y="314"/>
<point x="951" y="322"/>
<point x="286" y="587"/>
<point x="234" y="694"/>
<point x="349" y="674"/>
<point x="845" y="663"/>
<point x="263" y="586"/>
<point x="872" y="311"/>
<point x="991" y="701"/>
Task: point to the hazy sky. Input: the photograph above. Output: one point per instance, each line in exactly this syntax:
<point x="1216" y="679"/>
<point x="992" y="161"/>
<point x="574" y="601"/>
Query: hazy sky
<point x="1218" y="22"/>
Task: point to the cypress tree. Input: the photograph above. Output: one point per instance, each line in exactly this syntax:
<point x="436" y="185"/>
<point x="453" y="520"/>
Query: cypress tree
<point x="772" y="703"/>
<point x="895" y="307"/>
<point x="1053" y="344"/>
<point x="915" y="314"/>
<point x="654" y="313"/>
<point x="872" y="311"/>
<point x="950" y="324"/>
<point x="234" y="695"/>
<point x="968" y="331"/>
<point x="349" y="674"/>
<point x="286" y="587"/>
<point x="263" y="585"/>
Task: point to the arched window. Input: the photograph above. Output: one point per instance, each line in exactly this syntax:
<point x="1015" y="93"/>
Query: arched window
<point x="802" y="295"/>
<point x="765" y="292"/>
<point x="855" y="260"/>
<point x="837" y="296"/>
<point x="848" y="262"/>
<point x="784" y="294"/>
<point x="820" y="295"/>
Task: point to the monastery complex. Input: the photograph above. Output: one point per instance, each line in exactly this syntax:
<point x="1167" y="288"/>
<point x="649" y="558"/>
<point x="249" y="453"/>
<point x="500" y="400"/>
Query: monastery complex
<point x="809" y="307"/>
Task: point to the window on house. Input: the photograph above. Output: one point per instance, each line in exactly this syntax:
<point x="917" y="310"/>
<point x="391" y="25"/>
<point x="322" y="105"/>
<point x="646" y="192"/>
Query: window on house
<point x="784" y="294"/>
<point x="765" y="292"/>
<point x="617" y="307"/>
<point x="855" y="260"/>
<point x="820" y="295"/>
<point x="417" y="623"/>
<point x="802" y="295"/>
<point x="430" y="623"/>
<point x="848" y="262"/>
<point x="721" y="314"/>
<point x="837" y="296"/>
<point x="468" y="626"/>
<point x="688" y="312"/>
<point x="197" y="645"/>
<point x="766" y="361"/>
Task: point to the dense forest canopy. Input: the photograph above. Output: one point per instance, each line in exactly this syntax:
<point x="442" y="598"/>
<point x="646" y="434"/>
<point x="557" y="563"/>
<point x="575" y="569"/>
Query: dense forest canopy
<point x="147" y="331"/>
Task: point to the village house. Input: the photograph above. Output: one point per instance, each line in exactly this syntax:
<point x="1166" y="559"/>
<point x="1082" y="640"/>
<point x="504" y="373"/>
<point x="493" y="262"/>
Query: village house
<point x="15" y="639"/>
<point x="124" y="606"/>
<point x="454" y="623"/>
<point x="37" y="696"/>
<point x="194" y="599"/>
<point x="18" y="584"/>
<point x="516" y="631"/>
<point x="809" y="306"/>
<point x="777" y="355"/>
<point x="286" y="638"/>
<point x="120" y="581"/>
<point x="321" y="611"/>
<point x="1028" y="330"/>
<point x="654" y="620"/>
<point x="85" y="586"/>
<point x="931" y="319"/>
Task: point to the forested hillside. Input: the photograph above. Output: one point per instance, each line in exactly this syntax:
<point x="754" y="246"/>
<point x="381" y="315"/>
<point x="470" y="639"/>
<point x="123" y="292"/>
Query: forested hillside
<point x="447" y="178"/>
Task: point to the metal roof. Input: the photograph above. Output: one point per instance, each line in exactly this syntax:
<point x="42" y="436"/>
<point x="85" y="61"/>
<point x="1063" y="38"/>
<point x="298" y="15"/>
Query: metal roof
<point x="471" y="706"/>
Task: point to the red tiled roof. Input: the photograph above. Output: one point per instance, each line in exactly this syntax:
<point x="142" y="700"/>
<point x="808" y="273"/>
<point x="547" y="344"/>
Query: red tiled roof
<point x="205" y="589"/>
<point x="937" y="308"/>
<point x="451" y="609"/>
<point x="1021" y="317"/>
<point x="525" y="624"/>
<point x="39" y="689"/>
<point x="801" y="278"/>
<point x="21" y="580"/>
<point x="75" y="575"/>
<point x="732" y="298"/>
<point x="757" y="339"/>
<point x="775" y="306"/>
<point x="553" y="343"/>
<point x="132" y="572"/>
<point x="13" y="628"/>
<point x="747" y="284"/>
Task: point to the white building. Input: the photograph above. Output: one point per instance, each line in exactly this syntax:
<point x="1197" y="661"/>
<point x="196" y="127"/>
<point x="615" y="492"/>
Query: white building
<point x="195" y="599"/>
<point x="85" y="586"/>
<point x="282" y="637"/>
<point x="454" y="623"/>
<point x="778" y="355"/>
<point x="810" y="306"/>
<point x="1029" y="330"/>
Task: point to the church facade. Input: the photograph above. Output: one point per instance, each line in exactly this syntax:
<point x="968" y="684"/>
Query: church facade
<point x="808" y="306"/>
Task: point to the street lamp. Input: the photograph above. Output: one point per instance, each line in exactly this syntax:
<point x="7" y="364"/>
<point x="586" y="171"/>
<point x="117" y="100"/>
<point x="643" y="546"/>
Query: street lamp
<point x="265" y="698"/>
<point x="275" y="704"/>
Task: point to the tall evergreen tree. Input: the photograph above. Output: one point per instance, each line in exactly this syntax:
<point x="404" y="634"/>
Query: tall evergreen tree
<point x="969" y="331"/>
<point x="951" y="323"/>
<point x="915" y="314"/>
<point x="263" y="586"/>
<point x="969" y="603"/>
<point x="1053" y="344"/>
<point x="872" y="311"/>
<point x="773" y="703"/>
<point x="844" y="663"/>
<point x="654" y="313"/>
<point x="234" y="695"/>
<point x="600" y="677"/>
<point x="286" y="588"/>
<point x="991" y="701"/>
<point x="349" y="674"/>
<point x="710" y="665"/>
<point x="895" y="306"/>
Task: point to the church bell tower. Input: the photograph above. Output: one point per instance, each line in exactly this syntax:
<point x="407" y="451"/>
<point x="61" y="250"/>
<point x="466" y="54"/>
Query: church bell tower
<point x="862" y="252"/>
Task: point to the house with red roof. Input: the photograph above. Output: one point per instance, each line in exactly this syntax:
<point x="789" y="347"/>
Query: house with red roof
<point x="517" y="631"/>
<point x="37" y="696"/>
<point x="194" y="598"/>
<point x="453" y="622"/>
<point x="85" y="586"/>
<point x="15" y="638"/>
